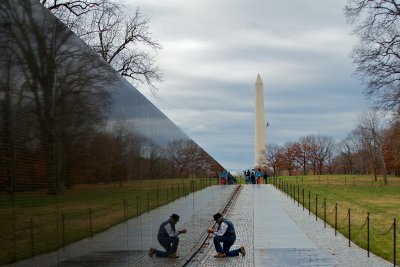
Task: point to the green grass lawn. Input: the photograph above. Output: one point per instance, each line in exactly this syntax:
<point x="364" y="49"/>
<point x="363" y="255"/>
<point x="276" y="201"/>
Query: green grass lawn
<point x="32" y="223"/>
<point x="360" y="194"/>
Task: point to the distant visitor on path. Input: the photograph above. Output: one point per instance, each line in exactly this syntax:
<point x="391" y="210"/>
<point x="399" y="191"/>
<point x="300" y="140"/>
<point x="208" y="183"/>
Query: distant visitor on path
<point x="168" y="238"/>
<point x="259" y="176"/>
<point x="253" y="176"/>
<point x="225" y="234"/>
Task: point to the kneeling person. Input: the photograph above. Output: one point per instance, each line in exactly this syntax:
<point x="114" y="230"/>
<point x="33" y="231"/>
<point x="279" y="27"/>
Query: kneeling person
<point x="226" y="235"/>
<point x="168" y="238"/>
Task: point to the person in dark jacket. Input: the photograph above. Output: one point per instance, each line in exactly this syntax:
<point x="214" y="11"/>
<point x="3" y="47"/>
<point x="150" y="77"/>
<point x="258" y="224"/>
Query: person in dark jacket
<point x="168" y="238"/>
<point x="225" y="234"/>
<point x="253" y="177"/>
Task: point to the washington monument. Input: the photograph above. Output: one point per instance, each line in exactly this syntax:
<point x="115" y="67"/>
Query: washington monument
<point x="259" y="151"/>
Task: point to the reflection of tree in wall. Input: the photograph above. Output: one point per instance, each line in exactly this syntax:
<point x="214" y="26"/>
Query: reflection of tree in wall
<point x="122" y="40"/>
<point x="60" y="88"/>
<point x="188" y="157"/>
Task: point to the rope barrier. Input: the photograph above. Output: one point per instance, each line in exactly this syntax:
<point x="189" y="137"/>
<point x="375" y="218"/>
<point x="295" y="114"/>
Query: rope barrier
<point x="388" y="231"/>
<point x="377" y="231"/>
<point x="365" y="223"/>
<point x="347" y="216"/>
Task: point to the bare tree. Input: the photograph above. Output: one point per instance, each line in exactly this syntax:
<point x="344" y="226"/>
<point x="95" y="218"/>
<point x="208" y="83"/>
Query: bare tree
<point x="287" y="157"/>
<point x="371" y="132"/>
<point x="272" y="156"/>
<point x="377" y="55"/>
<point x="346" y="151"/>
<point x="123" y="41"/>
<point x="323" y="152"/>
<point x="391" y="147"/>
<point x="305" y="148"/>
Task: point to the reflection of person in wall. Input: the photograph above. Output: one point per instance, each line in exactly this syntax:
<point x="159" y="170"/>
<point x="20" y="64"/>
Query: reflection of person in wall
<point x="247" y="174"/>
<point x="224" y="177"/>
<point x="168" y="238"/>
<point x="225" y="234"/>
<point x="265" y="176"/>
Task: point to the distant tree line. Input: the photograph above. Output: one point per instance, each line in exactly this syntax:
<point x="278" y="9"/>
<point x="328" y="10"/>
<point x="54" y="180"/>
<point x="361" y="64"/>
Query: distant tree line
<point x="370" y="148"/>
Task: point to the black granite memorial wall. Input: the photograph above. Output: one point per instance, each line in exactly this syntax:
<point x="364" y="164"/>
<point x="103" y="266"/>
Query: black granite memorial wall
<point x="81" y="149"/>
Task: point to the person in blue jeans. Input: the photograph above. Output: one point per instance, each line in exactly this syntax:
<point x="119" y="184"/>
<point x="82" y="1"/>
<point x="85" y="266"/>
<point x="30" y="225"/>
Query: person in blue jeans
<point x="225" y="234"/>
<point x="168" y="238"/>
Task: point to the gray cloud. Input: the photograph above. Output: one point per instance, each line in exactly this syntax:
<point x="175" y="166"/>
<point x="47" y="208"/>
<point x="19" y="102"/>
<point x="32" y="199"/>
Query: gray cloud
<point x="213" y="51"/>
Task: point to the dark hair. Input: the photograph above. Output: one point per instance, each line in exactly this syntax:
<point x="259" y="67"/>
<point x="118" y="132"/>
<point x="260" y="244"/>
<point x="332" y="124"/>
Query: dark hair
<point x="217" y="216"/>
<point x="175" y="217"/>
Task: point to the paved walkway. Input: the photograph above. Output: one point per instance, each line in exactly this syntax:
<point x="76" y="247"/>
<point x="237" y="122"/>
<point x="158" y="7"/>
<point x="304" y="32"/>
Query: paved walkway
<point x="274" y="231"/>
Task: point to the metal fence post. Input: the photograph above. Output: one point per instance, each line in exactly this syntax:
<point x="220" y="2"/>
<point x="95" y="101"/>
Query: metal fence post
<point x="90" y="223"/>
<point x="324" y="212"/>
<point x="125" y="211"/>
<point x="394" y="242"/>
<point x="148" y="201"/>
<point x="335" y="219"/>
<point x="316" y="207"/>
<point x="32" y="241"/>
<point x="298" y="196"/>
<point x="137" y="205"/>
<point x="158" y="199"/>
<point x="368" y="233"/>
<point x="294" y="194"/>
<point x="349" y="227"/>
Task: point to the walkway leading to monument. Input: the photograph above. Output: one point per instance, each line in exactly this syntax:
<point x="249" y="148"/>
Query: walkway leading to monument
<point x="274" y="231"/>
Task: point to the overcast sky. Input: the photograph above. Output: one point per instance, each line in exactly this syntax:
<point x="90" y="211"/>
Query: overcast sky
<point x="213" y="51"/>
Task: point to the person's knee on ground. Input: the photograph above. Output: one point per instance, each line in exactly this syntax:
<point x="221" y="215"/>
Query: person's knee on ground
<point x="217" y="244"/>
<point x="174" y="240"/>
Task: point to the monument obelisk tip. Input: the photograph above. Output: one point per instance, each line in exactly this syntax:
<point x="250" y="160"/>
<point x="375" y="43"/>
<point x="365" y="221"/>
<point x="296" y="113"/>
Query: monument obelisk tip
<point x="258" y="80"/>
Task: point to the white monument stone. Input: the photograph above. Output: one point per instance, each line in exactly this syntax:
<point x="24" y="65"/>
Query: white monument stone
<point x="260" y="124"/>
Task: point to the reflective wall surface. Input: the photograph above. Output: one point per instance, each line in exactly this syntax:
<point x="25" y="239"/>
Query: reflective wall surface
<point x="81" y="149"/>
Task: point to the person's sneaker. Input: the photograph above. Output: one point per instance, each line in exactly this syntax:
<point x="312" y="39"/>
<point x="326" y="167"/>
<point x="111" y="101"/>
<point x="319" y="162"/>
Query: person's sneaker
<point x="220" y="255"/>
<point x="152" y="251"/>
<point x="242" y="251"/>
<point x="173" y="256"/>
